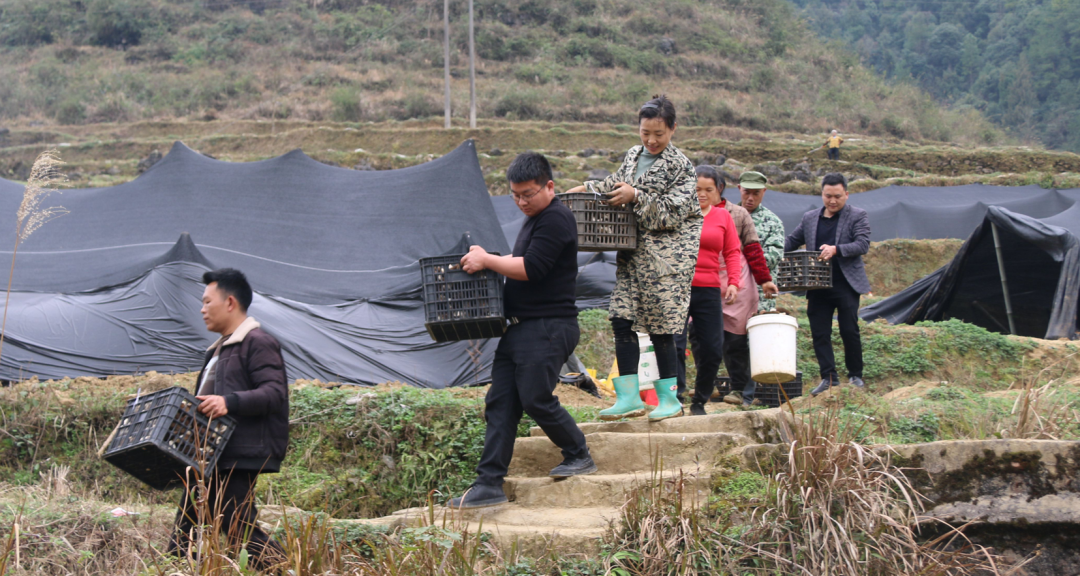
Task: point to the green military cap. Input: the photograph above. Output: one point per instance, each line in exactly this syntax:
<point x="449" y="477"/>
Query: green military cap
<point x="752" y="180"/>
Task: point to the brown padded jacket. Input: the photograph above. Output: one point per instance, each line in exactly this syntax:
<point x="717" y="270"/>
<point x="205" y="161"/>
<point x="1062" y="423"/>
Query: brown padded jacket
<point x="250" y="374"/>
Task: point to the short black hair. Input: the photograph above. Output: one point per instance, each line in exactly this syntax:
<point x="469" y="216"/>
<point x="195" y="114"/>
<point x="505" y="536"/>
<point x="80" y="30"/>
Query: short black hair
<point x="529" y="166"/>
<point x="832" y="179"/>
<point x="233" y="283"/>
<point x="706" y="171"/>
<point x="658" y="107"/>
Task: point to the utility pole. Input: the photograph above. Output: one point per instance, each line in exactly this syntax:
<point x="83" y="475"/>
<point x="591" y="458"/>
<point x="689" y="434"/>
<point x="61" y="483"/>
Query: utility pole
<point x="472" y="70"/>
<point x="446" y="60"/>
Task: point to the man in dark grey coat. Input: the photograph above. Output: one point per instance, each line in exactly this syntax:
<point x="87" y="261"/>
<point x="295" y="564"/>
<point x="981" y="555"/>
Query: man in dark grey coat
<point x="842" y="234"/>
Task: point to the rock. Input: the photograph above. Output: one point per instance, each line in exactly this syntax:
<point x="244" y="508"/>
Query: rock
<point x="331" y="163"/>
<point x="586" y="153"/>
<point x="769" y="170"/>
<point x="804" y="166"/>
<point x="149" y="161"/>
<point x="4" y="132"/>
<point x="719" y="160"/>
<point x="113" y="170"/>
<point x="920" y="165"/>
<point x="598" y="174"/>
<point x="728" y="177"/>
<point x="801" y="175"/>
<point x="495" y="152"/>
<point x="667" y="46"/>
<point x="617" y="157"/>
<point x="363" y="165"/>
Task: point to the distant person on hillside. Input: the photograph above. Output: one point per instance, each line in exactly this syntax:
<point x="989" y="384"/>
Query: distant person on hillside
<point x="832" y="145"/>
<point x="754" y="270"/>
<point x="243" y="376"/>
<point x="842" y="234"/>
<point x="652" y="283"/>
<point x="541" y="280"/>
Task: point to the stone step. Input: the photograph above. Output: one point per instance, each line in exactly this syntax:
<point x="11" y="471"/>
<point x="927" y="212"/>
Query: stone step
<point x="602" y="489"/>
<point x="757" y="425"/>
<point x="533" y="533"/>
<point x="620" y="453"/>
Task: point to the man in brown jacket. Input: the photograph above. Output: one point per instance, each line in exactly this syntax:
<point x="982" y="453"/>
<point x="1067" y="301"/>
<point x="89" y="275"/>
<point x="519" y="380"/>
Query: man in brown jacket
<point x="243" y="376"/>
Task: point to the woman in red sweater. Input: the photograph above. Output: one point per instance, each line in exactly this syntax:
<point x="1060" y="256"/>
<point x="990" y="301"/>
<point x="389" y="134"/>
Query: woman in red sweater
<point x="719" y="239"/>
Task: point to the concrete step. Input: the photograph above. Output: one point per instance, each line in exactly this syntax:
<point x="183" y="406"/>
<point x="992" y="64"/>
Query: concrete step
<point x="758" y="425"/>
<point x="609" y="490"/>
<point x="620" y="453"/>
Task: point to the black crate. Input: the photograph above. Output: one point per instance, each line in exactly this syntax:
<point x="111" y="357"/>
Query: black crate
<point x="459" y="305"/>
<point x="771" y="396"/>
<point x="801" y="270"/>
<point x="601" y="227"/>
<point x="162" y="433"/>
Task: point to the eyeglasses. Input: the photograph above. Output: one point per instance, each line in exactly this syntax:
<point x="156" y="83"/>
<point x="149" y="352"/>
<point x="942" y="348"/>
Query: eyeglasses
<point x="529" y="196"/>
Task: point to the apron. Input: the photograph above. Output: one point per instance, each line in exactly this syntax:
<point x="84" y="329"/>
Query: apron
<point x="746" y="305"/>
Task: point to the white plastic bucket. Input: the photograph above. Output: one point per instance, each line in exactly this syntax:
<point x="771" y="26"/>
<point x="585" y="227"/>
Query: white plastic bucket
<point x="772" y="348"/>
<point x="647" y="372"/>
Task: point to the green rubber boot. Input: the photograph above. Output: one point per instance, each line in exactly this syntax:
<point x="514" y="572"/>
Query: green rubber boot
<point x="667" y="390"/>
<point x="627" y="401"/>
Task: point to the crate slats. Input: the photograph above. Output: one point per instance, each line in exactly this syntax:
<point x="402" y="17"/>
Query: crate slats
<point x="801" y="270"/>
<point x="770" y="395"/>
<point x="163" y="433"/>
<point x="601" y="227"/>
<point x="459" y="305"/>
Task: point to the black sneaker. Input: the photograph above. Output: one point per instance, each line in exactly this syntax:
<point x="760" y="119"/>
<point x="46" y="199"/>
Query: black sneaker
<point x="825" y="385"/>
<point x="697" y="409"/>
<point x="479" y="496"/>
<point x="856" y="382"/>
<point x="574" y="467"/>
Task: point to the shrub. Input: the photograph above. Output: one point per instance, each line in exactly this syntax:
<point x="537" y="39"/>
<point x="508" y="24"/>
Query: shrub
<point x="346" y="103"/>
<point x="117" y="23"/>
<point x="70" y="111"/>
<point x="520" y="104"/>
<point x="418" y="105"/>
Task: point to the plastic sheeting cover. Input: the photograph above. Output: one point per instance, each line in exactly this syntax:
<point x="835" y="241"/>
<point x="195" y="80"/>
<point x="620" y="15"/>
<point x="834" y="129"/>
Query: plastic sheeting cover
<point x="331" y="253"/>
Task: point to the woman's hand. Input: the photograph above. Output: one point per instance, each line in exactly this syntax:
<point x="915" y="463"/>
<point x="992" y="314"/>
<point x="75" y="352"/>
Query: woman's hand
<point x="622" y="194"/>
<point x="731" y="294"/>
<point x="770" y="290"/>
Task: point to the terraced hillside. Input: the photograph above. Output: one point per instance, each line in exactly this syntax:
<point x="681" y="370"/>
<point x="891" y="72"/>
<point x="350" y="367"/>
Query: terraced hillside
<point x="108" y="154"/>
<point x="742" y="63"/>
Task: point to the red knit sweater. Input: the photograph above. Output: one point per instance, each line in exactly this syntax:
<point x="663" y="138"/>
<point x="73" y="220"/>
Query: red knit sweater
<point x="718" y="236"/>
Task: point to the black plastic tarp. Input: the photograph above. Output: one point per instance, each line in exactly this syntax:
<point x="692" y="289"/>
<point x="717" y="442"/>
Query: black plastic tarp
<point x="331" y="253"/>
<point x="596" y="270"/>
<point x="1042" y="266"/>
<point x="925" y="212"/>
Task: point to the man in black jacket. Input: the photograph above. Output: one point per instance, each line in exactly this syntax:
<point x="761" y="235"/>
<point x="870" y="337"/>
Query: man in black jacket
<point x="842" y="234"/>
<point x="539" y="303"/>
<point x="243" y="376"/>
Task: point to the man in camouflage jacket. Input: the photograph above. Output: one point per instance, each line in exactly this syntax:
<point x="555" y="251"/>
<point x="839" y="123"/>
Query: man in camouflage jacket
<point x="769" y="228"/>
<point x="652" y="283"/>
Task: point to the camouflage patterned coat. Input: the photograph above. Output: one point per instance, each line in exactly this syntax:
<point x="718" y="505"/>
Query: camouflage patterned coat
<point x="771" y="232"/>
<point x="652" y="283"/>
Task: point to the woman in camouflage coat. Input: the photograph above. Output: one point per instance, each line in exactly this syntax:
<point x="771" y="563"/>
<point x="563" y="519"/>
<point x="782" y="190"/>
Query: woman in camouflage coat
<point x="652" y="287"/>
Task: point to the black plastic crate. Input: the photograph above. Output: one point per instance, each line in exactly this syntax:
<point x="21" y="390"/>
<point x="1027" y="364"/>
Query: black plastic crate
<point x="459" y="305"/>
<point x="601" y="227"/>
<point x="801" y="270"/>
<point x="162" y="433"/>
<point x="771" y="396"/>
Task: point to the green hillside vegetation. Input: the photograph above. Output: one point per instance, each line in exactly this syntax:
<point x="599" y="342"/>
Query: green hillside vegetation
<point x="1018" y="61"/>
<point x="725" y="62"/>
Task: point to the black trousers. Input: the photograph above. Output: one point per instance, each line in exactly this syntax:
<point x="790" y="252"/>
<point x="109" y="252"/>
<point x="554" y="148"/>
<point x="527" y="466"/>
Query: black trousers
<point x="834" y="153"/>
<point x="706" y="339"/>
<point x="842" y="300"/>
<point x="523" y="379"/>
<point x="230" y="494"/>
<point x="628" y="350"/>
<point x="737" y="361"/>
